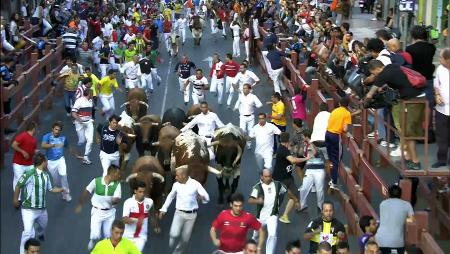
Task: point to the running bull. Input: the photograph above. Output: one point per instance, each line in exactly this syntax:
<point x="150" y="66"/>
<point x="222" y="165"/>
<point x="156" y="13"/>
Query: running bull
<point x="136" y="105"/>
<point x="147" y="130"/>
<point x="228" y="144"/>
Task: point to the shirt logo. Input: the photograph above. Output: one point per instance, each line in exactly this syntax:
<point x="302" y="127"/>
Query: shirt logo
<point x="108" y="137"/>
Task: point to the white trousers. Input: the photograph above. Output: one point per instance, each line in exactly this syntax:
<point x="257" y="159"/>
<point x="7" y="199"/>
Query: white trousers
<point x="276" y="76"/>
<point x="139" y="242"/>
<point x="47" y="26"/>
<point x="224" y="32"/>
<point x="83" y="29"/>
<point x="85" y="133"/>
<point x="182" y="34"/>
<point x="104" y="69"/>
<point x="228" y="82"/>
<point x="166" y="41"/>
<point x="109" y="159"/>
<point x="197" y="97"/>
<point x="146" y="81"/>
<point x="236" y="46"/>
<point x="213" y="26"/>
<point x="108" y="104"/>
<point x="231" y="94"/>
<point x="132" y="83"/>
<point x="271" y="225"/>
<point x="266" y="61"/>
<point x="247" y="49"/>
<point x="29" y="218"/>
<point x="246" y="123"/>
<point x="264" y="160"/>
<point x="18" y="172"/>
<point x="181" y="229"/>
<point x="58" y="171"/>
<point x="217" y="86"/>
<point x="312" y="177"/>
<point x="101" y="222"/>
<point x="155" y="75"/>
<point x="184" y="91"/>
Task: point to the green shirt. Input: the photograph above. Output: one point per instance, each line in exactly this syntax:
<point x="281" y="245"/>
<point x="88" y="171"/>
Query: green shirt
<point x="34" y="184"/>
<point x="125" y="246"/>
<point x="119" y="53"/>
<point x="129" y="54"/>
<point x="153" y="56"/>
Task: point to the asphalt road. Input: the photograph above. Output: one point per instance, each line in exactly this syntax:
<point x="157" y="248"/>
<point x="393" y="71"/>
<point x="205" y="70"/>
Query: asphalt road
<point x="68" y="232"/>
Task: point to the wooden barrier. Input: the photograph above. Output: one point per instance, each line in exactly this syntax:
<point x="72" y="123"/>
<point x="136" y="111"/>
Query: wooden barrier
<point x="35" y="76"/>
<point x="360" y="179"/>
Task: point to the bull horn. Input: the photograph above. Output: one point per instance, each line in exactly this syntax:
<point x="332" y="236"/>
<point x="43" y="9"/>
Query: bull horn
<point x="131" y="176"/>
<point x="155" y="143"/>
<point x="155" y="124"/>
<point x="184" y="124"/>
<point x="214" y="143"/>
<point x="181" y="167"/>
<point x="130" y="135"/>
<point x="214" y="171"/>
<point x="238" y="156"/>
<point x="166" y="124"/>
<point x="143" y="103"/>
<point x="159" y="176"/>
<point x="126" y="103"/>
<point x="137" y="124"/>
<point x="191" y="117"/>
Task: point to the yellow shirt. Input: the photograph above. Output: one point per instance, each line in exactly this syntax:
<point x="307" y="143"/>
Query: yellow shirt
<point x="137" y="17"/>
<point x="125" y="246"/>
<point x="279" y="109"/>
<point x="94" y="83"/>
<point x="71" y="82"/>
<point x="339" y="117"/>
<point x="106" y="85"/>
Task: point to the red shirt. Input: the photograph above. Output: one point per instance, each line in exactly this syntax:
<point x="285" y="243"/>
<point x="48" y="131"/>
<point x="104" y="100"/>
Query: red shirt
<point x="230" y="68"/>
<point x="97" y="27"/>
<point x="28" y="144"/>
<point x="233" y="229"/>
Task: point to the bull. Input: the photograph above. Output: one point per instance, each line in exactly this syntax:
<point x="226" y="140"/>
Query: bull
<point x="228" y="145"/>
<point x="136" y="105"/>
<point x="166" y="140"/>
<point x="192" y="112"/>
<point x="147" y="129"/>
<point x="128" y="137"/>
<point x="148" y="170"/>
<point x="191" y="152"/>
<point x="175" y="116"/>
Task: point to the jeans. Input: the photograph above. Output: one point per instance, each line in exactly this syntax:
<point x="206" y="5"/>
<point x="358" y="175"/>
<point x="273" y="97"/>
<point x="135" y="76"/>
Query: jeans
<point x="276" y="138"/>
<point x="334" y="150"/>
<point x="442" y="137"/>
<point x="69" y="100"/>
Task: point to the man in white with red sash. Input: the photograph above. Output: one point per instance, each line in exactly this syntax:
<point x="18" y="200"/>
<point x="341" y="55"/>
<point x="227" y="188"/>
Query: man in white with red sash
<point x="136" y="211"/>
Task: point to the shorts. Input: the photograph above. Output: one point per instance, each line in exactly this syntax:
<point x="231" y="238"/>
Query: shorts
<point x="290" y="185"/>
<point x="415" y="116"/>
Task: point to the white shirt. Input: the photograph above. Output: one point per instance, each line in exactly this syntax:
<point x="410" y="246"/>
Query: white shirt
<point x="320" y="126"/>
<point x="264" y="137"/>
<point x="186" y="194"/>
<point x="216" y="69"/>
<point x="247" y="104"/>
<point x="198" y="85"/>
<point x="66" y="69"/>
<point x="206" y="123"/>
<point x="107" y="30"/>
<point x="128" y="38"/>
<point x="131" y="70"/>
<point x="384" y="57"/>
<point x="103" y="201"/>
<point x="131" y="210"/>
<point x="235" y="28"/>
<point x="97" y="43"/>
<point x="248" y="77"/>
<point x="181" y="23"/>
<point x="269" y="198"/>
<point x="442" y="84"/>
<point x="83" y="107"/>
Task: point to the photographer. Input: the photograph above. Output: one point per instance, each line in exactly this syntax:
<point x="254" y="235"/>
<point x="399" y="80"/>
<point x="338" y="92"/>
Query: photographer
<point x="392" y="76"/>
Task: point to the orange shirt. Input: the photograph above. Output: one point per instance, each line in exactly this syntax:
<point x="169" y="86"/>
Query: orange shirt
<point x="237" y="8"/>
<point x="339" y="118"/>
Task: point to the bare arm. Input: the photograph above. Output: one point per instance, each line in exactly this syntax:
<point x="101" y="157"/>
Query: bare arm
<point x="213" y="235"/>
<point x="84" y="196"/>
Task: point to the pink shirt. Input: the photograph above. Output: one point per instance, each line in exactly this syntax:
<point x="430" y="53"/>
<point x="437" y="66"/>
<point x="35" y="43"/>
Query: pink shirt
<point x="298" y="107"/>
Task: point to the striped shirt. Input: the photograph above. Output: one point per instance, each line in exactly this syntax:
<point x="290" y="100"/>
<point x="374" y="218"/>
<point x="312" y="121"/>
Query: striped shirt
<point x="70" y="40"/>
<point x="83" y="107"/>
<point x="102" y="193"/>
<point x="34" y="184"/>
<point x="198" y="84"/>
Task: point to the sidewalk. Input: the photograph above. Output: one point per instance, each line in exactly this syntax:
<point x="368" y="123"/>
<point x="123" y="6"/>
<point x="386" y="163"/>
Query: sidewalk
<point x="362" y="26"/>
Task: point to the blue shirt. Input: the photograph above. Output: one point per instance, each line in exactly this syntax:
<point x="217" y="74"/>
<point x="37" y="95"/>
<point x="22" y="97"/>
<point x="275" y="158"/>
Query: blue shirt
<point x="54" y="153"/>
<point x="275" y="59"/>
<point x="5" y="73"/>
<point x="159" y="24"/>
<point x="271" y="39"/>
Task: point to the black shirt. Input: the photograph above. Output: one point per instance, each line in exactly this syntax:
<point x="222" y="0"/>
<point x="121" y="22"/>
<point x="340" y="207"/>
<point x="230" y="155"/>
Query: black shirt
<point x="283" y="167"/>
<point x="105" y="52"/>
<point x="108" y="137"/>
<point x="393" y="76"/>
<point x="334" y="225"/>
<point x="146" y="66"/>
<point x="422" y="54"/>
<point x="185" y="69"/>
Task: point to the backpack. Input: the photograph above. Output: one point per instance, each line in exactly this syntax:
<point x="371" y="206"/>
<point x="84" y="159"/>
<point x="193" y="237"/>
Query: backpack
<point x="416" y="79"/>
<point x="396" y="59"/>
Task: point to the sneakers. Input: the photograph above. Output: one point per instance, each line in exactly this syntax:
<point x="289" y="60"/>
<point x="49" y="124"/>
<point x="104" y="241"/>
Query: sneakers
<point x="438" y="164"/>
<point x="285" y="219"/>
<point x="396" y="153"/>
<point x="86" y="160"/>
<point x="90" y="245"/>
<point x="249" y="145"/>
<point x="374" y="19"/>
<point x="66" y="197"/>
<point x="385" y="144"/>
<point x="371" y="135"/>
<point x="333" y="186"/>
<point x="413" y="166"/>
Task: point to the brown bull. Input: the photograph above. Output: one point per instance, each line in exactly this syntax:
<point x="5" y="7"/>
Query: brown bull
<point x="147" y="130"/>
<point x="148" y="170"/>
<point x="229" y="142"/>
<point x="129" y="137"/>
<point x="166" y="140"/>
<point x="190" y="151"/>
<point x="136" y="105"/>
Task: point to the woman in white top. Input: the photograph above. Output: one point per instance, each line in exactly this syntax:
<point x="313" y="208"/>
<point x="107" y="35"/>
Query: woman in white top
<point x="41" y="13"/>
<point x="14" y="28"/>
<point x="442" y="117"/>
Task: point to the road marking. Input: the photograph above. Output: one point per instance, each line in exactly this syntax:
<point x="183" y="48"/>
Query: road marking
<point x="167" y="87"/>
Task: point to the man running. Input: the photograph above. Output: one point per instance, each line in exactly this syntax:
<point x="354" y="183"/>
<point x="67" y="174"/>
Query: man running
<point x="216" y="78"/>
<point x="199" y="85"/>
<point x="244" y="76"/>
<point x="132" y="71"/>
<point x="264" y="133"/>
<point x="54" y="143"/>
<point x="105" y="91"/>
<point x="106" y="194"/>
<point x="230" y="68"/>
<point x="183" y="68"/>
<point x="84" y="125"/>
<point x="109" y="139"/>
<point x="116" y="244"/>
<point x="24" y="146"/>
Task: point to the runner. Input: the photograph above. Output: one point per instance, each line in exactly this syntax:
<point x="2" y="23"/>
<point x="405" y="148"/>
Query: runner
<point x="116" y="244"/>
<point x="244" y="76"/>
<point x="199" y="85"/>
<point x="106" y="194"/>
<point x="229" y="68"/>
<point x="84" y="125"/>
<point x="132" y="73"/>
<point x="105" y="92"/>
<point x="24" y="146"/>
<point x="264" y="133"/>
<point x="109" y="139"/>
<point x="183" y="68"/>
<point x="216" y="78"/>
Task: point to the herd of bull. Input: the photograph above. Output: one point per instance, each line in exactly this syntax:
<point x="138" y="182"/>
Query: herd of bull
<point x="169" y="148"/>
